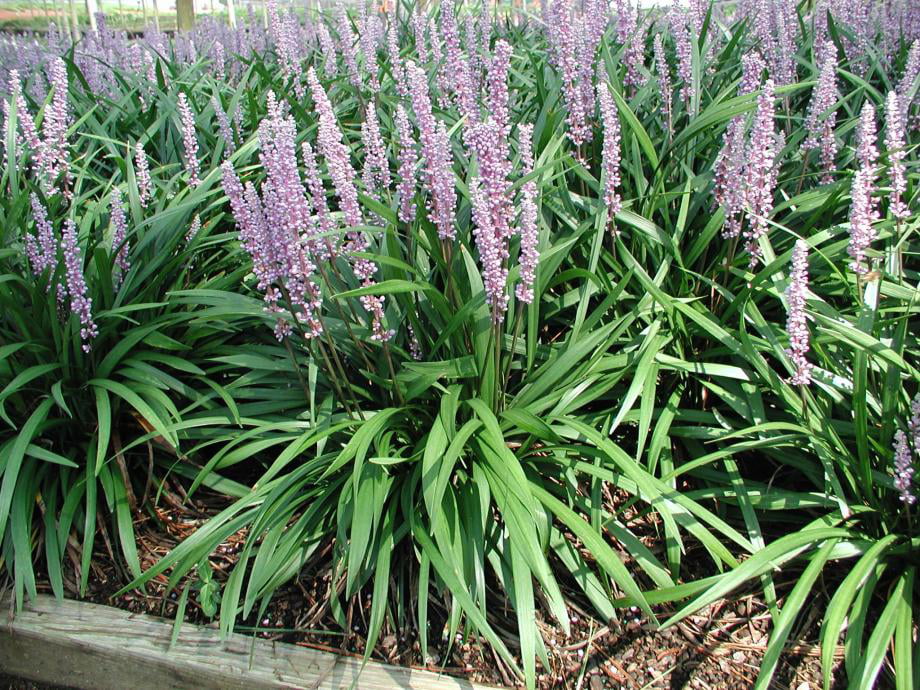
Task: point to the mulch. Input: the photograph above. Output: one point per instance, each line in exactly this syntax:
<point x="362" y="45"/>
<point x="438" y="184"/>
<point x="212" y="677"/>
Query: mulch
<point x="718" y="648"/>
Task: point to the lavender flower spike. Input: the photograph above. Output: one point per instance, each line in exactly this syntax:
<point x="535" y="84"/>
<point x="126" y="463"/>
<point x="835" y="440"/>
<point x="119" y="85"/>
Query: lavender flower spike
<point x="52" y="154"/>
<point x="408" y="160"/>
<point x="664" y="80"/>
<point x="80" y="304"/>
<point x="119" y="236"/>
<point x="610" y="164"/>
<point x="189" y="141"/>
<point x="796" y="321"/>
<point x="760" y="179"/>
<point x="863" y="211"/>
<point x="819" y="122"/>
<point x="223" y="127"/>
<point x="529" y="256"/>
<point x="142" y="175"/>
<point x="894" y="143"/>
<point x="43" y="253"/>
<point x="903" y="469"/>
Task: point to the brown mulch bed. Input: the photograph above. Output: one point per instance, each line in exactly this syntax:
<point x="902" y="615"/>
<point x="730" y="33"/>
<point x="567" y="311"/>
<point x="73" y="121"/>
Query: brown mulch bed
<point x="720" y="647"/>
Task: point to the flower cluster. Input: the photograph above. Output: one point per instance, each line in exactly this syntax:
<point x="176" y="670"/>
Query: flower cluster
<point x="895" y="146"/>
<point x="821" y="118"/>
<point x="439" y="175"/>
<point x="408" y="160"/>
<point x="189" y="140"/>
<point x="80" y="304"/>
<point x="760" y="172"/>
<point x="527" y="223"/>
<point x="223" y="127"/>
<point x="142" y="175"/>
<point x="903" y="469"/>
<point x="42" y="253"/>
<point x="119" y="236"/>
<point x="610" y="153"/>
<point x="863" y="205"/>
<point x="796" y="321"/>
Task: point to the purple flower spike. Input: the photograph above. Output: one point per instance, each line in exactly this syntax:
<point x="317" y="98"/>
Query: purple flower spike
<point x="819" y="122"/>
<point x="529" y="256"/>
<point x="335" y="152"/>
<point x="610" y="162"/>
<point x="903" y="469"/>
<point x="664" y="79"/>
<point x="439" y="175"/>
<point x="376" y="173"/>
<point x="80" y="304"/>
<point x="119" y="236"/>
<point x="223" y="127"/>
<point x="53" y="153"/>
<point x="797" y="321"/>
<point x="43" y="252"/>
<point x="863" y="205"/>
<point x="408" y="161"/>
<point x="894" y="143"/>
<point x="142" y="175"/>
<point x="189" y="141"/>
<point x="760" y="178"/>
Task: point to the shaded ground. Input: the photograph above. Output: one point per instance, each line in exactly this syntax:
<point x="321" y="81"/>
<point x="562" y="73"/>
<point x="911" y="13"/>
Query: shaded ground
<point x="721" y="647"/>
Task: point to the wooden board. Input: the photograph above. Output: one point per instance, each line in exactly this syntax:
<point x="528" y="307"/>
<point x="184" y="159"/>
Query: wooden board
<point x="91" y="646"/>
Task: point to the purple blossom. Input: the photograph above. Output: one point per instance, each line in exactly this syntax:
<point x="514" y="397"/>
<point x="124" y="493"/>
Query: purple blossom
<point x="820" y="120"/>
<point x="498" y="86"/>
<point x="142" y="175"/>
<point x="80" y="304"/>
<point x="681" y="30"/>
<point x="347" y="48"/>
<point x="761" y="171"/>
<point x="119" y="236"/>
<point x="53" y="154"/>
<point x="43" y="252"/>
<point x="194" y="228"/>
<point x="569" y="52"/>
<point x="223" y="127"/>
<point x="527" y="223"/>
<point x="369" y="39"/>
<point x="418" y="30"/>
<point x="664" y="80"/>
<point x="376" y="173"/>
<point x="492" y="215"/>
<point x="396" y="66"/>
<point x="338" y="160"/>
<point x="728" y="180"/>
<point x="863" y="211"/>
<point x="26" y="123"/>
<point x="610" y="154"/>
<point x="408" y="161"/>
<point x="752" y="68"/>
<point x="796" y="320"/>
<point x="894" y="143"/>
<point x="330" y="67"/>
<point x="457" y="67"/>
<point x="903" y="469"/>
<point x="866" y="151"/>
<point x="911" y="72"/>
<point x="323" y="248"/>
<point x="439" y="175"/>
<point x="189" y="141"/>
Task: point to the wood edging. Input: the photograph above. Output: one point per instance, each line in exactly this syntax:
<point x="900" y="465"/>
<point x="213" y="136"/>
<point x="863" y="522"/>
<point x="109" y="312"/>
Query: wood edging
<point x="87" y="645"/>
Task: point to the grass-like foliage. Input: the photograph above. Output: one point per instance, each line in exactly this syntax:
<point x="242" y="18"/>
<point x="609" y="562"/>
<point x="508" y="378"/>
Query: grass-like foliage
<point x="443" y="302"/>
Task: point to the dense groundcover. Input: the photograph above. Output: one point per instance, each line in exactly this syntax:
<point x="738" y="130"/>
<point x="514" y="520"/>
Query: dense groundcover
<point x="441" y="294"/>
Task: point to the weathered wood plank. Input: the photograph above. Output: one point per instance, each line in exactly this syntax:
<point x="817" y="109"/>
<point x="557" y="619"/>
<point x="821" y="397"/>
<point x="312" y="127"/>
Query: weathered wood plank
<point x="92" y="646"/>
